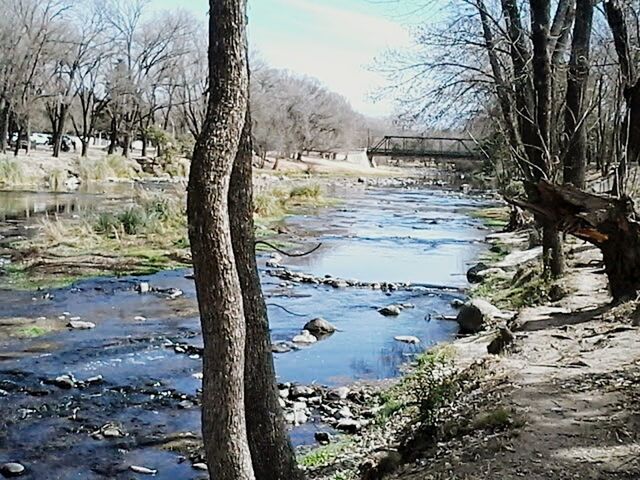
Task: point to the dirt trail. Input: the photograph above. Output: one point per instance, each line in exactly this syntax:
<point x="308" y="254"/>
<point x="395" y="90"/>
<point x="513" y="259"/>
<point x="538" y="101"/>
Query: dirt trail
<point x="573" y="377"/>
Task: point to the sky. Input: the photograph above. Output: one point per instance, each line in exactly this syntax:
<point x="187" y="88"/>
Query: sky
<point x="335" y="41"/>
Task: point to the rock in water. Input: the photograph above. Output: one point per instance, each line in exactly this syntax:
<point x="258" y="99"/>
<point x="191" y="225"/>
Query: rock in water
<point x="80" y="325"/>
<point x="64" y="381"/>
<point x="301" y="391"/>
<point x="200" y="466"/>
<point x="319" y="326"/>
<point x="475" y="314"/>
<point x="322" y="437"/>
<point x="407" y="339"/>
<point x="305" y="337"/>
<point x="390" y="311"/>
<point x="143" y="470"/>
<point x="12" y="469"/>
<point x="143" y="287"/>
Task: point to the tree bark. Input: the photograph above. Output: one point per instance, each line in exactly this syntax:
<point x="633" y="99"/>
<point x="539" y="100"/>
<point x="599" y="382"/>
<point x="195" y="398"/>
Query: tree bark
<point x="4" y="126"/>
<point x="113" y="136"/>
<point x="58" y="131"/>
<point x="575" y="160"/>
<point x="271" y="451"/>
<point x="217" y="283"/>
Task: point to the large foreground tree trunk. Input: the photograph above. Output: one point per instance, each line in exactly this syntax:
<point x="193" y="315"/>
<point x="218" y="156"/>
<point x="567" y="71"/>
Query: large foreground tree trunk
<point x="271" y="451"/>
<point x="217" y="284"/>
<point x="607" y="222"/>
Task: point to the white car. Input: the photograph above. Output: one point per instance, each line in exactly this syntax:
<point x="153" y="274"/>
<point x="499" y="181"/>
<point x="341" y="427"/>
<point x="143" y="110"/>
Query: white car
<point x="40" y="138"/>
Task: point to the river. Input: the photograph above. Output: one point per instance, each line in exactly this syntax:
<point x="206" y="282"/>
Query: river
<point x="148" y="388"/>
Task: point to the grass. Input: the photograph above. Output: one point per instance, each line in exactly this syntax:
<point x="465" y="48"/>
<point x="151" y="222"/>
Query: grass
<point x="492" y="217"/>
<point x="528" y="287"/>
<point x="31" y="332"/>
<point x="106" y="168"/>
<point x="12" y="172"/>
<point x="324" y="455"/>
<point x="499" y="418"/>
<point x="57" y="179"/>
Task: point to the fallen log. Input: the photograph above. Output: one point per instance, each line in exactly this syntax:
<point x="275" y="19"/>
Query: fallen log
<point x="609" y="223"/>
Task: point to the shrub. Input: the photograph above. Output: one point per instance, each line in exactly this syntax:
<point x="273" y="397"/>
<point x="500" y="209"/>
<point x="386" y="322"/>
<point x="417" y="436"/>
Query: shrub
<point x="132" y="220"/>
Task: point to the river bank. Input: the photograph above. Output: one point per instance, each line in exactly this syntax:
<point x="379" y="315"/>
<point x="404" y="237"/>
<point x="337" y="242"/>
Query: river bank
<point x="557" y="398"/>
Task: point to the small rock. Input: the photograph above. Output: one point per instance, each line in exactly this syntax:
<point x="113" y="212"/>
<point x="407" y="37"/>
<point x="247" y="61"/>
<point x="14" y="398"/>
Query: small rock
<point x="281" y="347"/>
<point x="197" y="375"/>
<point x="344" y="412"/>
<point x="349" y="425"/>
<point x="504" y="338"/>
<point x="472" y="273"/>
<point x="390" y="311"/>
<point x="305" y="337"/>
<point x="457" y="303"/>
<point x="322" y="437"/>
<point x="64" y="381"/>
<point x="143" y="470"/>
<point x="339" y="393"/>
<point x="284" y="393"/>
<point x="407" y="339"/>
<point x="139" y="318"/>
<point x="12" y="469"/>
<point x="94" y="380"/>
<point x="200" y="466"/>
<point x="301" y="391"/>
<point x="143" y="287"/>
<point x="80" y="325"/>
<point x="111" y="432"/>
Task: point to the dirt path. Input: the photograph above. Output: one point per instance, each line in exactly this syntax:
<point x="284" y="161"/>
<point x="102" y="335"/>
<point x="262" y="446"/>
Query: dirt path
<point x="573" y="378"/>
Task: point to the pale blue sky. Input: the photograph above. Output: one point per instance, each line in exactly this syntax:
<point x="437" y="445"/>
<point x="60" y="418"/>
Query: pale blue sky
<point x="335" y="41"/>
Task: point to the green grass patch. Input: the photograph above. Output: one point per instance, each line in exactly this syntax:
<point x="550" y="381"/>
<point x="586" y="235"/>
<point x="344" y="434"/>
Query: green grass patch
<point x="492" y="217"/>
<point x="31" y="332"/>
<point x="324" y="455"/>
<point x="528" y="287"/>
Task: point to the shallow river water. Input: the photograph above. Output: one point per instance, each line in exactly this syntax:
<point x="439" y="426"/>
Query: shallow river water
<point x="379" y="235"/>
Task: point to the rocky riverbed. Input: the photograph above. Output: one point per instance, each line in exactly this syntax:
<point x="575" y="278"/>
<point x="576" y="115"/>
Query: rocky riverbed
<point x="104" y="377"/>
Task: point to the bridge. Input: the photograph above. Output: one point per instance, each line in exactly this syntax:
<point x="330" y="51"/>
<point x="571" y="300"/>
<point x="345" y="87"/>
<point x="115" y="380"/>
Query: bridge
<point x="433" y="148"/>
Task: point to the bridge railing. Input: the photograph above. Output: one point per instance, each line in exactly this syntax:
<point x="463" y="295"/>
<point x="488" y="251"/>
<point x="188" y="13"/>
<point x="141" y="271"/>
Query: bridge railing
<point x="397" y="145"/>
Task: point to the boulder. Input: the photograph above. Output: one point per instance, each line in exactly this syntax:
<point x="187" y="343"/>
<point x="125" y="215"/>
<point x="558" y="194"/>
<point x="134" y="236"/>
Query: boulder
<point x="472" y="273"/>
<point x="339" y="393"/>
<point x="301" y="391"/>
<point x="349" y="425"/>
<point x="305" y="338"/>
<point x="319" y="326"/>
<point x="475" y="315"/>
<point x="322" y="437"/>
<point x="80" y="325"/>
<point x="390" y="311"/>
<point x="12" y="469"/>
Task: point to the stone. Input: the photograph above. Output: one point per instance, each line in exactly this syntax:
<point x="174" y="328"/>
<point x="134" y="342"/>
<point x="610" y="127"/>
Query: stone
<point x="301" y="391"/>
<point x="379" y="465"/>
<point x="472" y="273"/>
<point x="504" y="338"/>
<point x="80" y="325"/>
<point x="111" y="432"/>
<point x="12" y="469"/>
<point x="284" y="393"/>
<point x="349" y="425"/>
<point x="139" y="318"/>
<point x="319" y="326"/>
<point x="344" y="412"/>
<point x="200" y="466"/>
<point x="305" y="338"/>
<point x="143" y="287"/>
<point x="322" y="437"/>
<point x="299" y="413"/>
<point x="407" y="339"/>
<point x="475" y="315"/>
<point x="457" y="303"/>
<point x="66" y="382"/>
<point x="518" y="258"/>
<point x="390" y="311"/>
<point x="143" y="470"/>
<point x="339" y="393"/>
<point x="281" y="347"/>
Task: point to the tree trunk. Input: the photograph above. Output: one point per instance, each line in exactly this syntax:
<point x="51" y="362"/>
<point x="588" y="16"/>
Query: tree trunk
<point x="59" y="129"/>
<point x="575" y="161"/>
<point x="217" y="284"/>
<point x="606" y="222"/>
<point x="271" y="451"/>
<point x="126" y="145"/>
<point x="85" y="147"/>
<point x="4" y="126"/>
<point x="113" y="136"/>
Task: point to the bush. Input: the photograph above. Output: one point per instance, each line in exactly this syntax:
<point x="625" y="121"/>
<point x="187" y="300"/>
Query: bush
<point x="105" y="168"/>
<point x="310" y="191"/>
<point x="132" y="220"/>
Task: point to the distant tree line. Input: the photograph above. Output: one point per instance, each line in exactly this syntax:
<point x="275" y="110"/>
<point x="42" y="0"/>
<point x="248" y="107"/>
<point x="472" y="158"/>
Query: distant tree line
<point x="131" y="73"/>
